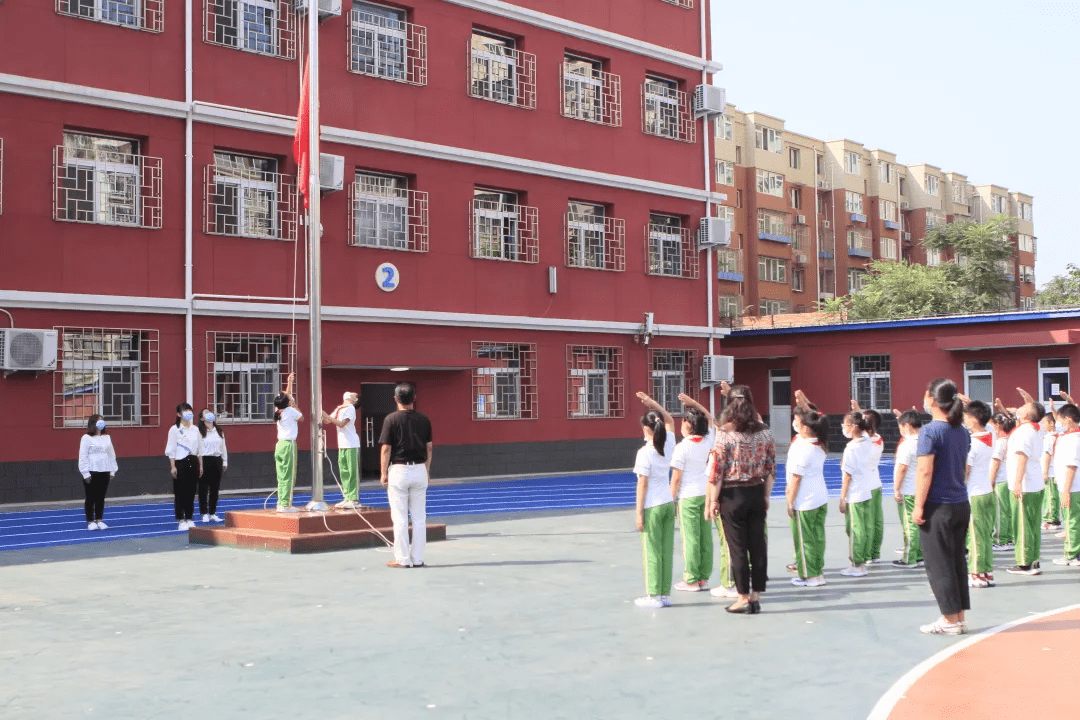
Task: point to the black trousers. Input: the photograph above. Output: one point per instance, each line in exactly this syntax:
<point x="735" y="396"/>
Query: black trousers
<point x="943" y="537"/>
<point x="95" y="488"/>
<point x="742" y="510"/>
<point x="209" y="485"/>
<point x="184" y="486"/>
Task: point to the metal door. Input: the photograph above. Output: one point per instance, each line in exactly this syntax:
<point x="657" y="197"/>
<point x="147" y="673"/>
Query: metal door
<point x="376" y="402"/>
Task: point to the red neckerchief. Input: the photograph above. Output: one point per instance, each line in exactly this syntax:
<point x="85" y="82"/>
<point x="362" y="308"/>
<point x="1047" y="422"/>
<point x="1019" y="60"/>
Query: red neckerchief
<point x="1070" y="432"/>
<point x="877" y="440"/>
<point x="695" y="438"/>
<point x="1036" y="426"/>
<point x="984" y="437"/>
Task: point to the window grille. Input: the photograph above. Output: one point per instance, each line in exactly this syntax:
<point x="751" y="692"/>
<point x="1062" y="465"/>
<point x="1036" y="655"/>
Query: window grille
<point x="387" y="214"/>
<point x="382" y="44"/>
<point x="247" y="197"/>
<point x="105" y="181"/>
<point x="670" y="249"/>
<point x="266" y="27"/>
<point x="801" y="238"/>
<point x="589" y="93"/>
<point x="109" y="372"/>
<point x="500" y="72"/>
<point x="688" y="4"/>
<point x="871" y="381"/>
<point x="665" y="110"/>
<point x="594" y="240"/>
<point x="502" y="229"/>
<point x="244" y="374"/>
<point x="672" y="372"/>
<point x="594" y="382"/>
<point x="148" y="15"/>
<point x="505" y="389"/>
<point x="774" y="224"/>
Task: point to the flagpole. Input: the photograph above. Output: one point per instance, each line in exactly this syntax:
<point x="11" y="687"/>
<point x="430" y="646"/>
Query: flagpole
<point x="314" y="227"/>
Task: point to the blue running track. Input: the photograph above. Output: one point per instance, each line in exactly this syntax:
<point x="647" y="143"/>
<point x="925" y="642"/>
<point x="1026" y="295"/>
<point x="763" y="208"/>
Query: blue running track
<point x="43" y="528"/>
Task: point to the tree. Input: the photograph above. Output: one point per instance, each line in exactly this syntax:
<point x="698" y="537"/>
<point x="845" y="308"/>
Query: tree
<point x="1062" y="290"/>
<point x="899" y="290"/>
<point x="979" y="250"/>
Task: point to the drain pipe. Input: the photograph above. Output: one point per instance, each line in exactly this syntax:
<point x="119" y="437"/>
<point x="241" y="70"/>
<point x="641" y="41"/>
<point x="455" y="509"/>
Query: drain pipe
<point x="189" y="210"/>
<point x="705" y="138"/>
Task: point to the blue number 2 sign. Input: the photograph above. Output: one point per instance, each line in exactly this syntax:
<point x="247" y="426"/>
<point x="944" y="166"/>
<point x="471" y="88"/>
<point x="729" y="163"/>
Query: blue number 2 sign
<point x="387" y="277"/>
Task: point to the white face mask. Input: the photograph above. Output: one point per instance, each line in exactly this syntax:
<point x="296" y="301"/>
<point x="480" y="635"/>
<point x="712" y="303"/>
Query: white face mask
<point x="847" y="432"/>
<point x="926" y="405"/>
<point x="795" y="427"/>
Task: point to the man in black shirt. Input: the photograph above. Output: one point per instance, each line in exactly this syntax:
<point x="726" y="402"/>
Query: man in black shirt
<point x="406" y="464"/>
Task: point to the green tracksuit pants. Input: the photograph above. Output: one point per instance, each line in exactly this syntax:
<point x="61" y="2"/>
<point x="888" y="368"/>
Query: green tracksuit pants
<point x="349" y="467"/>
<point x="879" y="524"/>
<point x="1051" y="502"/>
<point x="981" y="533"/>
<point x="285" y="461"/>
<point x="1006" y="531"/>
<point x="860" y="530"/>
<point x="696" y="540"/>
<point x="912" y="545"/>
<point x="658" y="547"/>
<point x="808" y="531"/>
<point x="1027" y="518"/>
<point x="1071" y="519"/>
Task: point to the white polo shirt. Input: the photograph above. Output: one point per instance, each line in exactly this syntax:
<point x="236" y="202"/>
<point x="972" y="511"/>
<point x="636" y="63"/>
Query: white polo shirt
<point x="346" y="436"/>
<point x="1049" y="444"/>
<point x="691" y="456"/>
<point x="655" y="467"/>
<point x="858" y="462"/>
<point x="1066" y="455"/>
<point x="1026" y="439"/>
<point x="806" y="458"/>
<point x="1001" y="451"/>
<point x="978" y="460"/>
<point x="907" y="455"/>
<point x="877" y="449"/>
<point x="287" y="425"/>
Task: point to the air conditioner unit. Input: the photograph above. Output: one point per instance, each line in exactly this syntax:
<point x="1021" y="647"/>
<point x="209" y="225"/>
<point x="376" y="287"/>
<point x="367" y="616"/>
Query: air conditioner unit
<point x="714" y="232"/>
<point x="327" y="8"/>
<point x="800" y="219"/>
<point x="823" y="184"/>
<point x="825" y="296"/>
<point x="907" y="237"/>
<point x="826" y="224"/>
<point x="800" y="258"/>
<point x="716" y="369"/>
<point x="331" y="172"/>
<point x="33" y="350"/>
<point x="905" y="205"/>
<point x="709" y="101"/>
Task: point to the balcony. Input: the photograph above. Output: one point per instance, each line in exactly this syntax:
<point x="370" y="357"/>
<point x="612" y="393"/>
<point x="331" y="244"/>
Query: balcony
<point x="774" y="227"/>
<point x="801" y="238"/>
<point x="825" y="255"/>
<point x="858" y="218"/>
<point x="860" y="245"/>
<point x="890" y="225"/>
<point x="729" y="264"/>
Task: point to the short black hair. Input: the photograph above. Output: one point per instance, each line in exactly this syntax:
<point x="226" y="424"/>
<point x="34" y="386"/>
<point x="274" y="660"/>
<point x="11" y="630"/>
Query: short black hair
<point x="980" y="411"/>
<point x="699" y="424"/>
<point x="405" y="393"/>
<point x="910" y="417"/>
<point x="1069" y="411"/>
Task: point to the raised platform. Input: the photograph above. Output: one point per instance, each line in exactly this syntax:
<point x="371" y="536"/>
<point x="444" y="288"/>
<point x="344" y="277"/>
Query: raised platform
<point x="303" y="532"/>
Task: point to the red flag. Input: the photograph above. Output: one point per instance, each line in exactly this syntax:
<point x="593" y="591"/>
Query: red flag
<point x="302" y="138"/>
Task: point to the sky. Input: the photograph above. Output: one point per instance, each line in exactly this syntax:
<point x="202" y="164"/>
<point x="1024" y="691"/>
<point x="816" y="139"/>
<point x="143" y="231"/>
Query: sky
<point x="988" y="89"/>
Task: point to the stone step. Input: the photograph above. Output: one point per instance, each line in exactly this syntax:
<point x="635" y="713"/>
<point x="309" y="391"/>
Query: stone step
<point x="294" y="542"/>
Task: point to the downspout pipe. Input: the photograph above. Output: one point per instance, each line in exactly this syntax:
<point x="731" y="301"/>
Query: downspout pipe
<point x="189" y="210"/>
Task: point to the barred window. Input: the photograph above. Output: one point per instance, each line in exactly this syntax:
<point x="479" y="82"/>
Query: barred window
<point x="666" y="110"/>
<point x="500" y="72"/>
<point x="137" y="14"/>
<point x="109" y="372"/>
<point x="688" y="4"/>
<point x="672" y="372"/>
<point x="104" y="180"/>
<point x="774" y="225"/>
<point x="387" y="214"/>
<point x="382" y="44"/>
<point x="589" y="93"/>
<point x="594" y="240"/>
<point x="871" y="381"/>
<point x="266" y="27"/>
<point x="244" y="373"/>
<point x="247" y="197"/>
<point x="594" y="382"/>
<point x="505" y="388"/>
<point x="670" y="250"/>
<point x="502" y="229"/>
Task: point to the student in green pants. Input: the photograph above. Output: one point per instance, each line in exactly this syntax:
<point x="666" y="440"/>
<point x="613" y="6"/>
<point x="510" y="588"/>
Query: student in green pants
<point x="655" y="511"/>
<point x="688" y="482"/>
<point x="1051" y="500"/>
<point x="855" y="495"/>
<point x="1002" y="424"/>
<point x="348" y="442"/>
<point x="877" y="449"/>
<point x="807" y="496"/>
<point x="287" y="418"/>
<point x="980" y="490"/>
<point x="1066" y="460"/>
<point x="1024" y="468"/>
<point x="904" y="472"/>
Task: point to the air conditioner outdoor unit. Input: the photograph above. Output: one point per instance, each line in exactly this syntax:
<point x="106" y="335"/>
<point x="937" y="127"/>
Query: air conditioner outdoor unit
<point x="907" y="237"/>
<point x="905" y="205"/>
<point x="800" y="258"/>
<point x="33" y="350"/>
<point x="714" y="232"/>
<point x="709" y="101"/>
<point x="826" y="224"/>
<point x="823" y="185"/>
<point x="715" y="369"/>
<point x="327" y="8"/>
<point x="800" y="219"/>
<point x="331" y="172"/>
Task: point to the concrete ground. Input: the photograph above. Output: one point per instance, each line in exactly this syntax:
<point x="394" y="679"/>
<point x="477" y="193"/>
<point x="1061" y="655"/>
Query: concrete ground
<point x="522" y="616"/>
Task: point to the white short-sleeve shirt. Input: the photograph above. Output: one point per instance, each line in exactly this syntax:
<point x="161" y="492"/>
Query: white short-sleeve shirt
<point x="907" y="455"/>
<point x="655" y="467"/>
<point x="346" y="436"/>
<point x="1027" y="439"/>
<point x="858" y="463"/>
<point x="287" y="428"/>
<point x="877" y="449"/>
<point x="1001" y="450"/>
<point x="1066" y="455"/>
<point x="978" y="460"/>
<point x="691" y="456"/>
<point x="1049" y="445"/>
<point x="806" y="459"/>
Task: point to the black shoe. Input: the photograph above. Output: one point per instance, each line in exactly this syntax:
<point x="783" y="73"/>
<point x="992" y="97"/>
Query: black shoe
<point x="755" y="607"/>
<point x="747" y="609"/>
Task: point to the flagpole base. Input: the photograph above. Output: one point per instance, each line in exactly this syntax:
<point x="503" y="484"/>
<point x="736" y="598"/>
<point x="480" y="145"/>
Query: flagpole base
<point x="317" y="506"/>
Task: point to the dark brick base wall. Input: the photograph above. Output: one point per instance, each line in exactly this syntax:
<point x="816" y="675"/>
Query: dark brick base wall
<point x="56" y="480"/>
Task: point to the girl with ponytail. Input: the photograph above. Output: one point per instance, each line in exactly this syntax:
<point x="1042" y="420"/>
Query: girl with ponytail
<point x="856" y="497"/>
<point x="655" y="509"/>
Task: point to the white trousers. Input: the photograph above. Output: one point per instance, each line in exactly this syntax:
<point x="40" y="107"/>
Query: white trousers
<point x="407" y="490"/>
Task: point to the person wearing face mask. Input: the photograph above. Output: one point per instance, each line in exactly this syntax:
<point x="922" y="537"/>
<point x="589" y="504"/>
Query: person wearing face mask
<point x="97" y="465"/>
<point x="877" y="449"/>
<point x="856" y="503"/>
<point x="215" y="460"/>
<point x="185" y="465"/>
<point x="1066" y="460"/>
<point x="1024" y="475"/>
<point x="980" y="487"/>
<point x="1051" y="500"/>
<point x="807" y="495"/>
<point x="654" y="507"/>
<point x="904" y="471"/>
<point x="348" y="442"/>
<point x="1003" y="425"/>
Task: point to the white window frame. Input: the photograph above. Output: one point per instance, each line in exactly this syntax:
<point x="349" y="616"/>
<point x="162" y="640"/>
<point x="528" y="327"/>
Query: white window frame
<point x="888" y="210"/>
<point x="247" y="34"/>
<point x="393" y="203"/>
<point x="1026" y="211"/>
<point x="482" y="408"/>
<point x="772" y="269"/>
<point x="852" y="160"/>
<point x="666" y="387"/>
<point x="251" y="411"/>
<point x="769" y="306"/>
<point x="979" y="373"/>
<point x="857" y="279"/>
<point x="794" y="158"/>
<point x="853" y="202"/>
<point x="386" y="35"/>
<point x="725" y="172"/>
<point x="75" y="374"/>
<point x="769" y="183"/>
<point x="933" y="257"/>
<point x="586" y="406"/>
<point x="1025" y="243"/>
<point x="663" y="108"/>
<point x="244" y="187"/>
<point x="885" y="172"/>
<point x="724" y="127"/>
<point x="728" y="305"/>
<point x="507" y="221"/>
<point x="579" y="232"/>
<point x="998" y="205"/>
<point x="107" y="209"/>
<point x="668" y="247"/>
<point x="1047" y="370"/>
<point x="769" y="139"/>
<point x="889" y="250"/>
<point x="493" y="89"/>
<point x="100" y="11"/>
<point x="932" y="185"/>
<point x="874" y="402"/>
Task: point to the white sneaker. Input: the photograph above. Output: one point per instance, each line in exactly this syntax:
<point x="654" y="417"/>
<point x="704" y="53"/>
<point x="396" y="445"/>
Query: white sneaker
<point x="723" y="592"/>
<point x="206" y="518"/>
<point x="809" y="582"/>
<point x="650" y="601"/>
<point x="287" y="509"/>
<point x="91" y="526"/>
<point x="665" y="600"/>
<point x="1067" y="561"/>
<point x="182" y="526"/>
<point x="873" y="561"/>
<point x="854" y="571"/>
<point x="941" y="627"/>
<point x="102" y="526"/>
<point x="900" y="550"/>
<point x="191" y="523"/>
<point x="683" y="586"/>
<point x="215" y="518"/>
<point x="975" y="581"/>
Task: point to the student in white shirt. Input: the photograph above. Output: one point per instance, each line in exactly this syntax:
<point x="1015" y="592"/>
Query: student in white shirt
<point x="97" y="465"/>
<point x="185" y="465"/>
<point x="1051" y="500"/>
<point x="1066" y="460"/>
<point x="287" y="418"/>
<point x="348" y="442"/>
<point x="655" y="510"/>
<point x="1003" y="425"/>
<point x="855" y="493"/>
<point x="904" y="471"/>
<point x="1024" y="474"/>
<point x="807" y="495"/>
<point x="688" y="484"/>
<point x="877" y="449"/>
<point x="980" y="487"/>
<point x="215" y="460"/>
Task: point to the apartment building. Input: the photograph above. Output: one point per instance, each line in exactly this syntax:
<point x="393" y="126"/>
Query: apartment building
<point x="512" y="226"/>
<point x="810" y="215"/>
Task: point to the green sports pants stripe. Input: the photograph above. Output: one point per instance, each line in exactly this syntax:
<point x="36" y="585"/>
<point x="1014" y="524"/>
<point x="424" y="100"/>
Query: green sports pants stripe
<point x="879" y="524"/>
<point x="1051" y="502"/>
<point x="1027" y="519"/>
<point x="727" y="579"/>
<point x="696" y="540"/>
<point x="808" y="532"/>
<point x="350" y="472"/>
<point x="285" y="462"/>
<point x="1006" y="530"/>
<point x="980" y="534"/>
<point x="859" y="524"/>
<point x="912" y="544"/>
<point x="1071" y="520"/>
<point x="658" y="547"/>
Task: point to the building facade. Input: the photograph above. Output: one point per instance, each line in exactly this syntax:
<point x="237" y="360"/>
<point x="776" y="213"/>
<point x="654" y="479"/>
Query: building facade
<point x="515" y="231"/>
